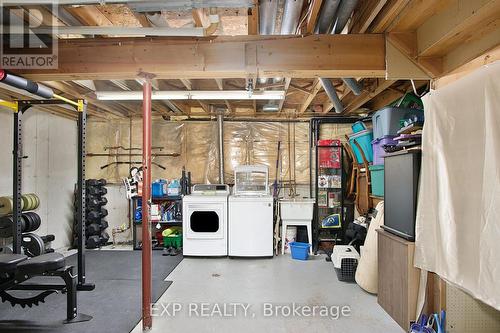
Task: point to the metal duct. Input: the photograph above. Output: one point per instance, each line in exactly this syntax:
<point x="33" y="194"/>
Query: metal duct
<point x="268" y="10"/>
<point x="332" y="94"/>
<point x="220" y="148"/>
<point x="326" y="17"/>
<point x="291" y="16"/>
<point x="353" y="85"/>
<point x="344" y="13"/>
<point x="157" y="19"/>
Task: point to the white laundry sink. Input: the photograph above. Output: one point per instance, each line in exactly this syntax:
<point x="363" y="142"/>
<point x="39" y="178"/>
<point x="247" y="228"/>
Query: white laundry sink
<point x="297" y="209"/>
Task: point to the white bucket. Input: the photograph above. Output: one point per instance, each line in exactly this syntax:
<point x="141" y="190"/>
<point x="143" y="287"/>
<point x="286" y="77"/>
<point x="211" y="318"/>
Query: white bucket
<point x="291" y="236"/>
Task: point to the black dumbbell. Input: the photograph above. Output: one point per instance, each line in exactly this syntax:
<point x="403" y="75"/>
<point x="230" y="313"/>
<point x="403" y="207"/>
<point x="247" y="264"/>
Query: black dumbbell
<point x="93" y="229"/>
<point x="93" y="242"/>
<point x="104" y="238"/>
<point x="103" y="224"/>
<point x="95" y="201"/>
<point x="96" y="190"/>
<point x="97" y="214"/>
<point x="96" y="182"/>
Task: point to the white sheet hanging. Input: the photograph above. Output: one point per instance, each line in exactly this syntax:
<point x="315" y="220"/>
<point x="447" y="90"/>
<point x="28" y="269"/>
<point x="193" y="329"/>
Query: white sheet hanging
<point x="458" y="215"/>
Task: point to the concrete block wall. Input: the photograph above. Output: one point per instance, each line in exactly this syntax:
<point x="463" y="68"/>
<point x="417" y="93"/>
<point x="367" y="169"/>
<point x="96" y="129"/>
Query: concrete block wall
<point x="50" y="171"/>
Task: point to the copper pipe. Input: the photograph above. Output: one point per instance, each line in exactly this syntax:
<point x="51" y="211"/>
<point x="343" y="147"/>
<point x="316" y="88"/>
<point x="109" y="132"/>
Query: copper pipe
<point x="147" y="321"/>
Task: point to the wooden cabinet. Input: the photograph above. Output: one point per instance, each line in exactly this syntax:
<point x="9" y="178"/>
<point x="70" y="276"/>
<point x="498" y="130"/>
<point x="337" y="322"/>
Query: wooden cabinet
<point x="398" y="280"/>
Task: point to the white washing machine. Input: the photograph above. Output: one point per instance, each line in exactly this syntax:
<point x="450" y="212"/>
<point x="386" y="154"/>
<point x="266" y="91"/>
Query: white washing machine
<point x="204" y="223"/>
<point x="251" y="213"/>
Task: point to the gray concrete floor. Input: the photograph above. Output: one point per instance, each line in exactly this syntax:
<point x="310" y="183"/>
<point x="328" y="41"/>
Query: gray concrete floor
<point x="254" y="282"/>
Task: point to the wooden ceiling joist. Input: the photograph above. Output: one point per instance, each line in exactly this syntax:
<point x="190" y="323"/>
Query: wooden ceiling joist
<point x="365" y="14"/>
<point x="312" y="18"/>
<point x="253" y="19"/>
<point x="223" y="57"/>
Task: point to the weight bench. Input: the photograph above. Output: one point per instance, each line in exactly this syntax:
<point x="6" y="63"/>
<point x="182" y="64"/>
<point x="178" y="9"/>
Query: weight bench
<point x="18" y="268"/>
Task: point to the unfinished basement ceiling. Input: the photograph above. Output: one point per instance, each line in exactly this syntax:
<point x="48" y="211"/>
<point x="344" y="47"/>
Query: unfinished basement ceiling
<point x="401" y="20"/>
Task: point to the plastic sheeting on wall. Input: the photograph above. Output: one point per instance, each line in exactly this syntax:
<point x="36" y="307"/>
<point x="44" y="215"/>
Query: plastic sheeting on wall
<point x="196" y="142"/>
<point x="458" y="215"/>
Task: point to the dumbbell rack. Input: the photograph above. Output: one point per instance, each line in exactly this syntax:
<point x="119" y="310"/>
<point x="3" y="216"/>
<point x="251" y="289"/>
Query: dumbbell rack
<point x="95" y="224"/>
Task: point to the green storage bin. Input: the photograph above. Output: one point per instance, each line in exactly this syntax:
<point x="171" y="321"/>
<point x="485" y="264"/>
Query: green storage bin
<point x="377" y="179"/>
<point x="173" y="241"/>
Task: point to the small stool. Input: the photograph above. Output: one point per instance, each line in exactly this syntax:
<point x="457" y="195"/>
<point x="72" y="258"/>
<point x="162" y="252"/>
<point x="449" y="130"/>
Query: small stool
<point x="286" y="223"/>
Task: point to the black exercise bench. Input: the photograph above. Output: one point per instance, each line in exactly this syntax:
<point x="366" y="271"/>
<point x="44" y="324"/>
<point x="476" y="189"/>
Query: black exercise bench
<point x="18" y="268"/>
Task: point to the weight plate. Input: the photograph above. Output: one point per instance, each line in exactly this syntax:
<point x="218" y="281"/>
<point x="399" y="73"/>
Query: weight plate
<point x="33" y="245"/>
<point x="25" y="201"/>
<point x="23" y="223"/>
<point x="37" y="201"/>
<point x="30" y="223"/>
<point x="6" y="205"/>
<point x="29" y="201"/>
<point x="38" y="221"/>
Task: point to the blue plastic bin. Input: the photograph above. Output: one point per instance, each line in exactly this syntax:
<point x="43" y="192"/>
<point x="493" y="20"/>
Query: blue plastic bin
<point x="387" y="121"/>
<point x="159" y="188"/>
<point x="377" y="179"/>
<point x="364" y="139"/>
<point x="358" y="127"/>
<point x="300" y="251"/>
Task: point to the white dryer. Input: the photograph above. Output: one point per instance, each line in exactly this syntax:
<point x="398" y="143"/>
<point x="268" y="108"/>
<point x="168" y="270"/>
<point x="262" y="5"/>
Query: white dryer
<point x="204" y="223"/>
<point x="251" y="213"/>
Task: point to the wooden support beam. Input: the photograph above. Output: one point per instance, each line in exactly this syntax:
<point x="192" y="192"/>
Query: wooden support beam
<point x="253" y="19"/>
<point x="313" y="16"/>
<point x="365" y="14"/>
<point x="299" y="88"/>
<point x="218" y="57"/>
<point x="315" y="89"/>
<point x="365" y="96"/>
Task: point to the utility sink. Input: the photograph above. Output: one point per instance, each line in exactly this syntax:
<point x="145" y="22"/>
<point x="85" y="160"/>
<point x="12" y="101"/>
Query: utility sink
<point x="297" y="209"/>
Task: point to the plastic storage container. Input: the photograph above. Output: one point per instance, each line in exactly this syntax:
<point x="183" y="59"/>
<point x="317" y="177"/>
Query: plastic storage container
<point x="378" y="150"/>
<point x="358" y="127"/>
<point x="364" y="139"/>
<point x="300" y="251"/>
<point x="377" y="179"/>
<point x="173" y="241"/>
<point x="159" y="188"/>
<point x="387" y="121"/>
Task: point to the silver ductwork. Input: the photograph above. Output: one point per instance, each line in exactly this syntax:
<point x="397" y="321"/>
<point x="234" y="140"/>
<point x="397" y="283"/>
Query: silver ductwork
<point x="220" y="148"/>
<point x="333" y="18"/>
<point x="326" y="18"/>
<point x="354" y="85"/>
<point x="268" y="10"/>
<point x="344" y="14"/>
<point x="332" y="94"/>
<point x="291" y="16"/>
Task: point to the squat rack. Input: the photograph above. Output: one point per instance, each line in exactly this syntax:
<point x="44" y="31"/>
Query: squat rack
<point x="19" y="107"/>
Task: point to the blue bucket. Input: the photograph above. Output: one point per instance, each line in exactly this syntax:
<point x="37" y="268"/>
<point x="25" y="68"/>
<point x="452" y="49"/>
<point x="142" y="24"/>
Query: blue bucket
<point x="300" y="251"/>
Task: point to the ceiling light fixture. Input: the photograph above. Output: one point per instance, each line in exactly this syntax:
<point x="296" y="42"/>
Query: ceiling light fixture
<point x="192" y="94"/>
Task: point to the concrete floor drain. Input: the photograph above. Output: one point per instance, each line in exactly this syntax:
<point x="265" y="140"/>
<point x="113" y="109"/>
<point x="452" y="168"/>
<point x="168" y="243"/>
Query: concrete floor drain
<point x="215" y="275"/>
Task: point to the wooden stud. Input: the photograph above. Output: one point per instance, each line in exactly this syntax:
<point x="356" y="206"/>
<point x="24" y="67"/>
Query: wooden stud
<point x="282" y="102"/>
<point x="365" y="14"/>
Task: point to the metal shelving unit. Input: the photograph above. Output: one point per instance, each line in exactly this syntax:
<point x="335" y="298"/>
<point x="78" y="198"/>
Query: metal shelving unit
<point x="136" y="234"/>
